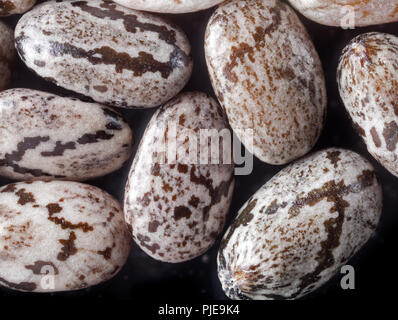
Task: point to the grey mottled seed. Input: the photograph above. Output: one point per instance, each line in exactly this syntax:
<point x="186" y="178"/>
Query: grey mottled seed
<point x="368" y="83"/>
<point x="113" y="54"/>
<point x="300" y="227"/>
<point x="169" y="6"/>
<point x="177" y="209"/>
<point x="70" y="231"/>
<point x="44" y="136"/>
<point x="343" y="13"/>
<point x="268" y="77"/>
<point x="9" y="7"/>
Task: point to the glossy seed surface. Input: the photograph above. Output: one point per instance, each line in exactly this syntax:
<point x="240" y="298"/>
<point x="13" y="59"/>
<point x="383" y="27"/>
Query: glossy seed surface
<point x="110" y="53"/>
<point x="169" y="6"/>
<point x="368" y="83"/>
<point x="268" y="77"/>
<point x="177" y="208"/>
<point x="44" y="136"/>
<point x="348" y="13"/>
<point x="59" y="236"/>
<point x="297" y="230"/>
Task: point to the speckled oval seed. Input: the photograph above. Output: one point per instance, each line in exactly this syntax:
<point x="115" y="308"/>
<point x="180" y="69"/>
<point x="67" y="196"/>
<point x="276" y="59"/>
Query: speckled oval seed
<point x="352" y="13"/>
<point x="9" y="7"/>
<point x="176" y="209"/>
<point x="300" y="227"/>
<point x="7" y="52"/>
<point x="268" y="77"/>
<point x="59" y="236"/>
<point x="368" y="83"/>
<point x="169" y="6"/>
<point x="113" y="54"/>
<point x="46" y="136"/>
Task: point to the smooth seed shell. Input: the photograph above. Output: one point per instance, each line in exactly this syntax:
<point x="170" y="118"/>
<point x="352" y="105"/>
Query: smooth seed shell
<point x="44" y="136"/>
<point x="110" y="53"/>
<point x="177" y="208"/>
<point x="268" y="77"/>
<point x="348" y="13"/>
<point x="9" y="7"/>
<point x="169" y="6"/>
<point x="59" y="236"/>
<point x="368" y="83"/>
<point x="300" y="227"/>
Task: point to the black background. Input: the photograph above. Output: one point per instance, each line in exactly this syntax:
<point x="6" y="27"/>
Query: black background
<point x="153" y="282"/>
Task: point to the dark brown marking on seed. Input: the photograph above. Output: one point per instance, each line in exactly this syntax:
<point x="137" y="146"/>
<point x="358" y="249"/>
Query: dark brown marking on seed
<point x="54" y="208"/>
<point x="85" y="227"/>
<point x="390" y="134"/>
<point x="334" y="157"/>
<point x="139" y="65"/>
<point x="9" y="188"/>
<point x="194" y="201"/>
<point x="155" y="170"/>
<point x="107" y="253"/>
<point x="182" y="212"/>
<point x="111" y="215"/>
<point x="375" y="137"/>
<point x="153" y="226"/>
<point x="181" y="120"/>
<point x="29" y="143"/>
<point x="359" y="129"/>
<point x="143" y="241"/>
<point x="101" y="89"/>
<point x="333" y="229"/>
<point x="238" y="53"/>
<point x="24" y="197"/>
<point x="182" y="168"/>
<point x="330" y="190"/>
<point x="215" y="193"/>
<point x="145" y="200"/>
<point x="37" y="267"/>
<point x="68" y="247"/>
<point x="94" y="138"/>
<point x="143" y="63"/>
<point x="25" y="286"/>
<point x="59" y="149"/>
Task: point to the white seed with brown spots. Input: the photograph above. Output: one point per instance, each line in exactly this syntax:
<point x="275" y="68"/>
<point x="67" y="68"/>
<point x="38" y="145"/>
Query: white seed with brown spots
<point x="368" y="83"/>
<point x="268" y="77"/>
<point x="300" y="227"/>
<point x="44" y="136"/>
<point x="177" y="208"/>
<point x="348" y="13"/>
<point x="72" y="232"/>
<point x="169" y="6"/>
<point x="9" y="7"/>
<point x="110" y="53"/>
<point x="7" y="52"/>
